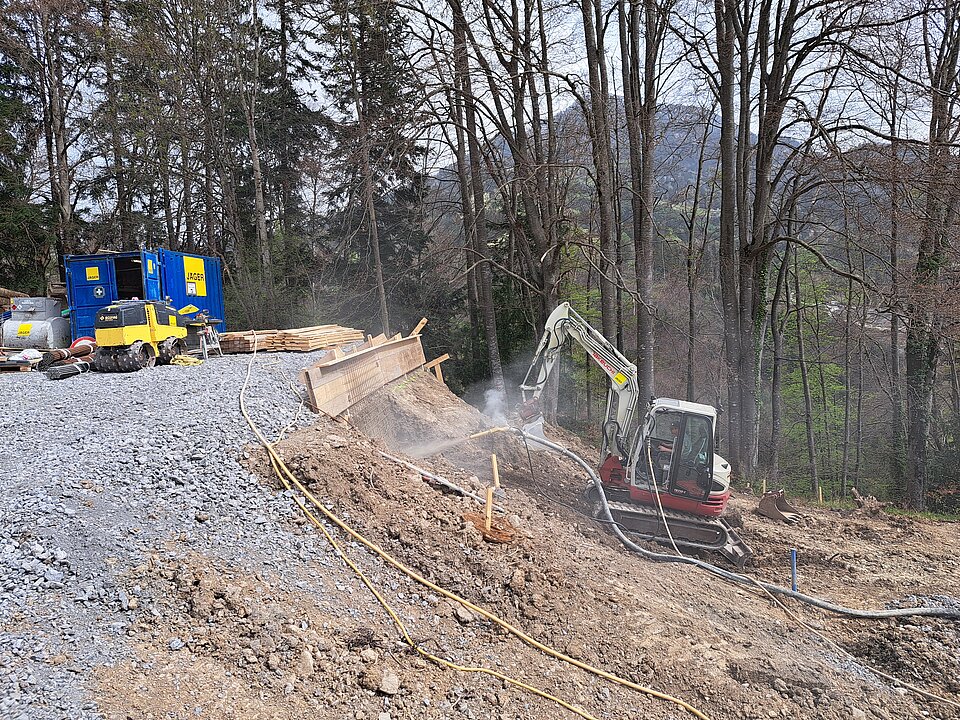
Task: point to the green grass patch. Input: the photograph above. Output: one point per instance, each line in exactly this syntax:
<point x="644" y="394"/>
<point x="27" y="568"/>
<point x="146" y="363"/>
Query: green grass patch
<point x="924" y="515"/>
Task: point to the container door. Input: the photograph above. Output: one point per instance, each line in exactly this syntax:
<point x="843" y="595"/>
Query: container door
<point x="91" y="285"/>
<point x="193" y="280"/>
<point x="151" y="276"/>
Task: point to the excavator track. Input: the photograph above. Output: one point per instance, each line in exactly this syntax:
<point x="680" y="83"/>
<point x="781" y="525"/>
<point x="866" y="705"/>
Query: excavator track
<point x="686" y="529"/>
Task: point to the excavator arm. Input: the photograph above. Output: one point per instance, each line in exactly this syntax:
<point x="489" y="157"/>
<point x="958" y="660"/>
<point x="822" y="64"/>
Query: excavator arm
<point x="623" y="392"/>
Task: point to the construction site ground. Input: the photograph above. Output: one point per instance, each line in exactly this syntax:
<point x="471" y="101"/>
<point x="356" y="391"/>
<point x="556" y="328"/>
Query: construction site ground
<point x="153" y="566"/>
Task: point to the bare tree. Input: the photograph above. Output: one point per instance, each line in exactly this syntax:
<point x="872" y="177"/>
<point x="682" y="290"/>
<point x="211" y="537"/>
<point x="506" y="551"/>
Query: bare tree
<point x="941" y="45"/>
<point x="641" y="56"/>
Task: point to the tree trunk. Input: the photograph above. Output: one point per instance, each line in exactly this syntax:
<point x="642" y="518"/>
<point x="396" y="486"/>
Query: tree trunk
<point x="60" y="181"/>
<point x="249" y="94"/>
<point x="827" y="436"/>
<point x="694" y="255"/>
<point x="942" y="198"/>
<point x="805" y="378"/>
<point x="653" y="34"/>
<point x="373" y="232"/>
<point x="776" y="384"/>
<point x="725" y="11"/>
<point x="599" y="128"/>
<point x="481" y="249"/>
<point x="898" y="451"/>
<point x="186" y="204"/>
<point x="209" y="201"/>
<point x="858" y="462"/>
<point x="113" y="120"/>
<point x="467" y="215"/>
<point x="166" y="197"/>
<point x="284" y="171"/>
<point x="848" y="329"/>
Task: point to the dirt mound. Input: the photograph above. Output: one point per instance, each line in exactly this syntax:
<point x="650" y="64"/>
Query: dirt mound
<point x="276" y="651"/>
<point x="566" y="582"/>
<point x="420" y="417"/>
<point x="230" y="644"/>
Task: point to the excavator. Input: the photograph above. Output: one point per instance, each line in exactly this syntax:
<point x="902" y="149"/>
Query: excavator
<point x="660" y="474"/>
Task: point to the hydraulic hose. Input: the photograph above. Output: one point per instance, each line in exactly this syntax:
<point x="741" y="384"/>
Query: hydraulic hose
<point x="771" y="590"/>
<point x="940" y="612"/>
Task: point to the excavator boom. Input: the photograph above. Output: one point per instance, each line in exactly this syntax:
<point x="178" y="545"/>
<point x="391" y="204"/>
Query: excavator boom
<point x="624" y="392"/>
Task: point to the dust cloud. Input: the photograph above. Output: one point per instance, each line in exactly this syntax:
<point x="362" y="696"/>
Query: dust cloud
<point x="495" y="406"/>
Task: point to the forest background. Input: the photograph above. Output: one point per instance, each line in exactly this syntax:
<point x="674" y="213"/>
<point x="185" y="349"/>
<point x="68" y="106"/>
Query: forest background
<point x="756" y="201"/>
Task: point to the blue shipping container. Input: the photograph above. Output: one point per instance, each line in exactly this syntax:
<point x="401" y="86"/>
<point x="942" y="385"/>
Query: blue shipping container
<point x="94" y="281"/>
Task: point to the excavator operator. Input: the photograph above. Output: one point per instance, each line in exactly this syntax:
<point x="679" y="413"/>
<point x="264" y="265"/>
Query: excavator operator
<point x="666" y="446"/>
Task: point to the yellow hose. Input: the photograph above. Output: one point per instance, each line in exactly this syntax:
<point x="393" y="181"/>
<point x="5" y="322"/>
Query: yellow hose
<point x="403" y="629"/>
<point x="282" y="470"/>
<point x="491" y="431"/>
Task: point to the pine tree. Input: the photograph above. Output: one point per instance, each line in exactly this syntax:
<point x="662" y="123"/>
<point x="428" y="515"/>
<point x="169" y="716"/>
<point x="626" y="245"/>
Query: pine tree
<point x="26" y="240"/>
<point x="372" y="123"/>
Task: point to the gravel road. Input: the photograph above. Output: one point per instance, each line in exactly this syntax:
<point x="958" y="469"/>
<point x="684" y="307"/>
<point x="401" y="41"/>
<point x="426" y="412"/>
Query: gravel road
<point x="97" y="473"/>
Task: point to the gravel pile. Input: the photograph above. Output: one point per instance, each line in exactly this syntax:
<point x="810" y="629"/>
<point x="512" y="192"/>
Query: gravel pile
<point x="99" y="472"/>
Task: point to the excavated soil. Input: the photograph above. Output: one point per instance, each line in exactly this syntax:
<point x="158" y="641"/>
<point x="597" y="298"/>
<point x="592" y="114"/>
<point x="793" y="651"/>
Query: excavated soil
<point x="272" y="646"/>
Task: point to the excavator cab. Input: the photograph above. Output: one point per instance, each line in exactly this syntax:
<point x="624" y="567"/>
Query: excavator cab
<point x="681" y="452"/>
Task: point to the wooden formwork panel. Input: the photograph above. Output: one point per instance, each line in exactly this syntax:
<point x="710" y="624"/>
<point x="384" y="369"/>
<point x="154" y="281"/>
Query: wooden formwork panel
<point x="335" y="384"/>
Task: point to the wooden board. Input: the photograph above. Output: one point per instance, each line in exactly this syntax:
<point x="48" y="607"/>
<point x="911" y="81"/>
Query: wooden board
<point x="435" y="365"/>
<point x="18" y="365"/>
<point x="419" y="327"/>
<point x="335" y="384"/>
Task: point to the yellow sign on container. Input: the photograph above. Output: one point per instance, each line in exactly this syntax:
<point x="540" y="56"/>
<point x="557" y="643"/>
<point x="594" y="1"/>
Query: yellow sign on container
<point x="93" y="273"/>
<point x="193" y="271"/>
<point x="24" y="329"/>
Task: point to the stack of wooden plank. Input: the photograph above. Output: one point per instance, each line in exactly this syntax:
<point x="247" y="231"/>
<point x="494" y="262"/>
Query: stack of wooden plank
<point x="243" y="342"/>
<point x="341" y="380"/>
<point x="293" y="340"/>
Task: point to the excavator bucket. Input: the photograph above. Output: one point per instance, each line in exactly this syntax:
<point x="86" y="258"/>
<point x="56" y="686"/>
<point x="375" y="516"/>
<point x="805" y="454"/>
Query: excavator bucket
<point x="774" y="505"/>
<point x="535" y="429"/>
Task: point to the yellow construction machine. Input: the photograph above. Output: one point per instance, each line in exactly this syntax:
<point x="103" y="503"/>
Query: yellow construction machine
<point x="134" y="334"/>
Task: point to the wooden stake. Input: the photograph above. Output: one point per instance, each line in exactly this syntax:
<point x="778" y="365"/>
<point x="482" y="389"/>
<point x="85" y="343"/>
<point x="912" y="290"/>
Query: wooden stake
<point x="496" y="470"/>
<point x="820" y="493"/>
<point x="488" y="511"/>
<point x="419" y="327"/>
<point x="763" y="488"/>
<point x="435" y="366"/>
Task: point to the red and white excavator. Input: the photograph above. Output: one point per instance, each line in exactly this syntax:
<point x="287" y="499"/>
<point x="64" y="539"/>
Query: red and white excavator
<point x="659" y="472"/>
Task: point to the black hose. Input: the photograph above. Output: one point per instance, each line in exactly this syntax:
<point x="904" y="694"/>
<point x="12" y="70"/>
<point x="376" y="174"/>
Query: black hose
<point x="940" y="612"/>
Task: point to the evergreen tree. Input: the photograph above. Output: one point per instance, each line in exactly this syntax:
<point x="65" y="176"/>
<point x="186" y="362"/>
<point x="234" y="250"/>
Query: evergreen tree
<point x="26" y="240"/>
<point x="375" y="190"/>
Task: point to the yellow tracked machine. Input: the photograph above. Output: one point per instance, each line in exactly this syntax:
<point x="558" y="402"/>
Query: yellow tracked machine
<point x="134" y="334"/>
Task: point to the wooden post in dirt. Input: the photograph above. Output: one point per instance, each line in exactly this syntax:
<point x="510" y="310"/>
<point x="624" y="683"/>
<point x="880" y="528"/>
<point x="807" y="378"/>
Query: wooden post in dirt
<point x="435" y="366"/>
<point x="820" y="493"/>
<point x="488" y="511"/>
<point x="496" y="471"/>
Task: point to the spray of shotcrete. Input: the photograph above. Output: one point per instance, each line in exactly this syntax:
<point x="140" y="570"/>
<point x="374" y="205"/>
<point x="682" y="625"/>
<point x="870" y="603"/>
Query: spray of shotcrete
<point x="494" y="407"/>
